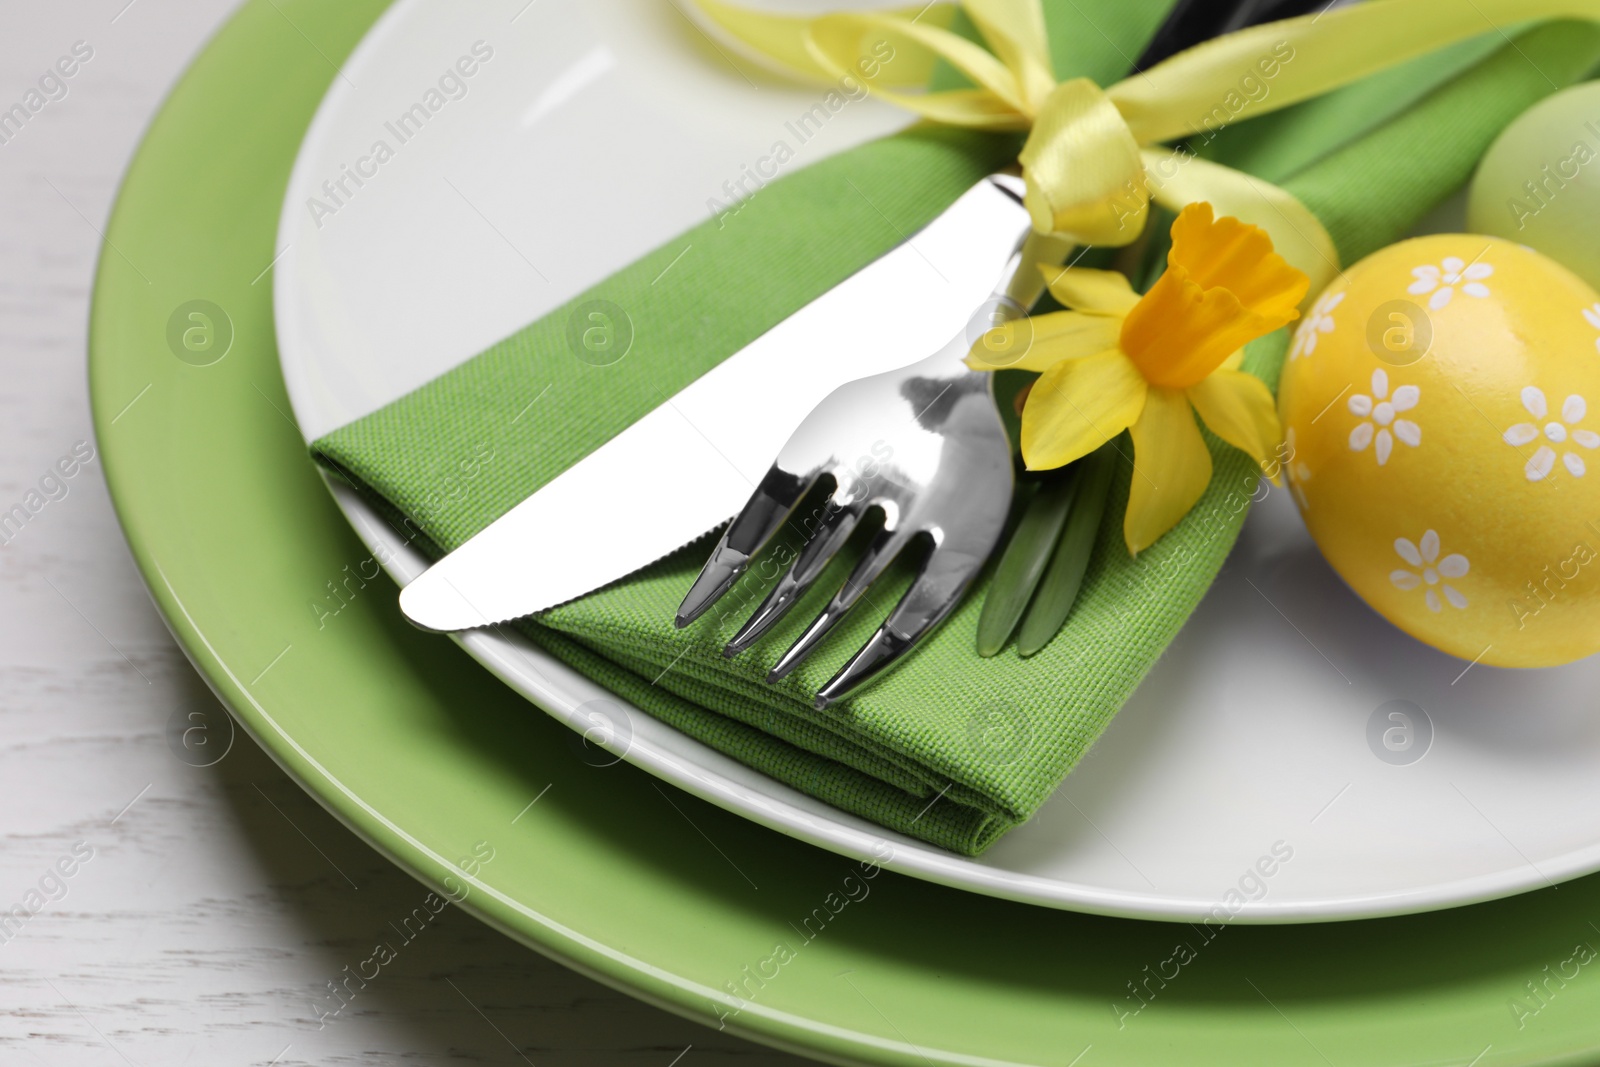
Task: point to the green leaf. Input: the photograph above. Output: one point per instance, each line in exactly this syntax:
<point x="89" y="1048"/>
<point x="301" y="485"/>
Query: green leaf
<point x="1007" y="384"/>
<point x="1059" y="588"/>
<point x="1026" y="556"/>
<point x="1155" y="251"/>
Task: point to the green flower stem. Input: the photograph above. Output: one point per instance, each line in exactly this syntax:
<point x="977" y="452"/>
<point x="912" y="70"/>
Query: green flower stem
<point x="1059" y="587"/>
<point x="1026" y="556"/>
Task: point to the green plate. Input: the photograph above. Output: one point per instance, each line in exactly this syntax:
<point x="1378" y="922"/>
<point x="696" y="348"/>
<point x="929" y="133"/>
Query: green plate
<point x="425" y="755"/>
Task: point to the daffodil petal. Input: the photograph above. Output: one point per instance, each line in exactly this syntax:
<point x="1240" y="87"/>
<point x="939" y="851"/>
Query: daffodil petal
<point x="1040" y="342"/>
<point x="1225" y="251"/>
<point x="1223" y="287"/>
<point x="1178" y="179"/>
<point x="1105" y="292"/>
<point x="1239" y="408"/>
<point x="1078" y="405"/>
<point x="1171" y="468"/>
<point x="1179" y="332"/>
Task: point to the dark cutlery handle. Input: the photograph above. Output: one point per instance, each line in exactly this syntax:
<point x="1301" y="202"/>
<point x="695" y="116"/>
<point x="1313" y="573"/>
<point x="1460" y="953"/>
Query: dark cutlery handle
<point x="1192" y="21"/>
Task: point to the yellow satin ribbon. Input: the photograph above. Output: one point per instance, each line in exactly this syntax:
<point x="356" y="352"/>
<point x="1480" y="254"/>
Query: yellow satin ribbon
<point x="1092" y="160"/>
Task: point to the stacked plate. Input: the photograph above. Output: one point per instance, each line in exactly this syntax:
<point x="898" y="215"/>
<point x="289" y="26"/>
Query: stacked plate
<point x="1238" y="788"/>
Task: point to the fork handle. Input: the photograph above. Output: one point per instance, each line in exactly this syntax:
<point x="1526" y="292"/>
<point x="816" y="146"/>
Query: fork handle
<point x="1019" y="287"/>
<point x="1024" y="283"/>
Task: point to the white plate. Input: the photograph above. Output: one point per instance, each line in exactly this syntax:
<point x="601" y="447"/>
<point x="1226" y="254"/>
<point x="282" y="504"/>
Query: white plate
<point x="594" y="133"/>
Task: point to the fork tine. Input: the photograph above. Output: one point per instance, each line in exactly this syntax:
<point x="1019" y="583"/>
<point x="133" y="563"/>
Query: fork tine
<point x="930" y="599"/>
<point x="882" y="552"/>
<point x="794" y="583"/>
<point x="766" y="510"/>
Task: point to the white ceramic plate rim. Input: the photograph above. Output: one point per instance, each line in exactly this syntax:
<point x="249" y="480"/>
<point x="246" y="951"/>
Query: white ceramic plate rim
<point x="676" y="758"/>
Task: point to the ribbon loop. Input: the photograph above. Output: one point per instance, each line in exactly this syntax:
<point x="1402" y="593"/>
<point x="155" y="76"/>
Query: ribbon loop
<point x="1085" y="175"/>
<point x="838" y="41"/>
<point x="785" y="42"/>
<point x="1086" y="163"/>
<point x="1081" y="161"/>
<point x="1015" y="30"/>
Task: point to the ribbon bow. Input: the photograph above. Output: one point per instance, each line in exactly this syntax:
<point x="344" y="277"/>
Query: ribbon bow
<point x="1093" y="159"/>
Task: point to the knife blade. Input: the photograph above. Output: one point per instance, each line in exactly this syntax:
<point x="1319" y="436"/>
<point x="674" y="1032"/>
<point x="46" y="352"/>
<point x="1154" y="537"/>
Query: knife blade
<point x="691" y="463"/>
<point x="735" y="418"/>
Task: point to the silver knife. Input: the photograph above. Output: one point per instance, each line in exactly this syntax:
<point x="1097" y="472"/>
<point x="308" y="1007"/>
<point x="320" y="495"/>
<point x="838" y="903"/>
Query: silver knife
<point x="690" y="464"/>
<point x="622" y="507"/>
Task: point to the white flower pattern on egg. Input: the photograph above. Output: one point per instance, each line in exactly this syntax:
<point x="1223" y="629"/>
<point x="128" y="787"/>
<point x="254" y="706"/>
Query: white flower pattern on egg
<point x="1379" y="425"/>
<point x="1558" y="432"/>
<point x="1428" y="571"/>
<point x="1591" y="315"/>
<point x="1442" y="280"/>
<point x="1320" y="321"/>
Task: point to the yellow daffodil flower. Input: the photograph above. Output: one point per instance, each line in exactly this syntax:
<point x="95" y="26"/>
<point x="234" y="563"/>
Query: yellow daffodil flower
<point x="1118" y="361"/>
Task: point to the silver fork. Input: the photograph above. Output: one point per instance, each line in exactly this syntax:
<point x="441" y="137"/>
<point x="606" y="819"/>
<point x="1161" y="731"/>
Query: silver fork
<point x="925" y="445"/>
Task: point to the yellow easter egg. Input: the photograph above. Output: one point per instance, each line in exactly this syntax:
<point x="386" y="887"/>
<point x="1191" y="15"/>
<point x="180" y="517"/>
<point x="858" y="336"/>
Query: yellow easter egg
<point x="1441" y="407"/>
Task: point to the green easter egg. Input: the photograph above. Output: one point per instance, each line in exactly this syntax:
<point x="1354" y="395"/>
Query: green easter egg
<point x="1539" y="183"/>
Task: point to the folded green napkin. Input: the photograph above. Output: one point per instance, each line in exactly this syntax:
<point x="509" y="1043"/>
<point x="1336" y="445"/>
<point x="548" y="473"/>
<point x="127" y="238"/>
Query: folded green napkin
<point x="948" y="747"/>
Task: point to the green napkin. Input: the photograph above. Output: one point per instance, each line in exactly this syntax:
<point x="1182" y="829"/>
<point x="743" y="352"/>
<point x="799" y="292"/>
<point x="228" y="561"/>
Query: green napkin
<point x="949" y="747"/>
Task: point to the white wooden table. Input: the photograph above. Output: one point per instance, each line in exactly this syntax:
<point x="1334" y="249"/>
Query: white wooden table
<point x="214" y="903"/>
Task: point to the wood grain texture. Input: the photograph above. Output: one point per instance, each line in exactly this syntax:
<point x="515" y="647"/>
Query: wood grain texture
<point x="206" y="907"/>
